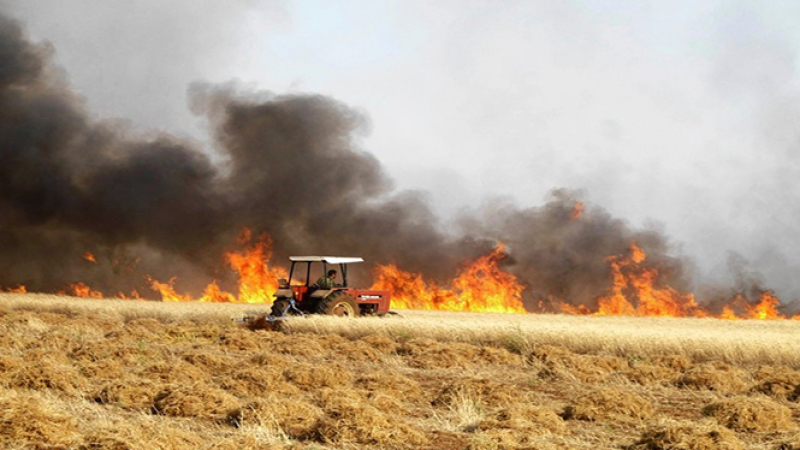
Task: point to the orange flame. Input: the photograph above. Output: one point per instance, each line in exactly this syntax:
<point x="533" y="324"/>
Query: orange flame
<point x="167" y="290"/>
<point x="409" y="290"/>
<point x="89" y="257"/>
<point x="480" y="286"/>
<point x="483" y="286"/>
<point x="257" y="280"/>
<point x="80" y="289"/>
<point x="213" y="294"/>
<point x="766" y="308"/>
<point x="634" y="291"/>
<point x="727" y="313"/>
<point x="134" y="295"/>
<point x="580" y="310"/>
<point x="577" y="211"/>
<point x="637" y="289"/>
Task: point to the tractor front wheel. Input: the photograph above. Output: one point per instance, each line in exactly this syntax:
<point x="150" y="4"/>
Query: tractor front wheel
<point x="279" y="306"/>
<point x="338" y="304"/>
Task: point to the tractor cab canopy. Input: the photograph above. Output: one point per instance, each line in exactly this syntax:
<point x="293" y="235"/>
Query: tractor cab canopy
<point x="327" y="259"/>
<point x="342" y="261"/>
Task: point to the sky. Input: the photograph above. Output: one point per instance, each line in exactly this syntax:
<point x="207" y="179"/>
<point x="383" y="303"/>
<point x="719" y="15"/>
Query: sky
<point x="680" y="116"/>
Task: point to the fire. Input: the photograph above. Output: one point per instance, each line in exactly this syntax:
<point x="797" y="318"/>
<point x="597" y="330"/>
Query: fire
<point x="580" y="310"/>
<point x="615" y="303"/>
<point x="766" y="308"/>
<point x="409" y="290"/>
<point x="167" y="290"/>
<point x="213" y="294"/>
<point x="636" y="287"/>
<point x="134" y="295"/>
<point x="634" y="291"/>
<point x="483" y="286"/>
<point x="80" y="289"/>
<point x="257" y="280"/>
<point x="577" y="211"/>
<point x="89" y="257"/>
<point x="727" y="313"/>
<point x="480" y="287"/>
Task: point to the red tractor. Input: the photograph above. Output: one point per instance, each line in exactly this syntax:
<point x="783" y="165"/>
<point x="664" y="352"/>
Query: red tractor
<point x="334" y="299"/>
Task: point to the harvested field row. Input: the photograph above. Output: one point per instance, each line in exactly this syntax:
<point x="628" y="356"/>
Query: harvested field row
<point x="101" y="375"/>
<point x="733" y="341"/>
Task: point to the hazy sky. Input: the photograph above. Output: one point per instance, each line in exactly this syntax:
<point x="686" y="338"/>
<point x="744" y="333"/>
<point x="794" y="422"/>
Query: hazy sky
<point x="681" y="114"/>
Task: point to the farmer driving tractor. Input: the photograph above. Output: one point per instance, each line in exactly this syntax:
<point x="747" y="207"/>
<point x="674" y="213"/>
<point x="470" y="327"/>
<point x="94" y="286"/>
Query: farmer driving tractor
<point x="327" y="282"/>
<point x="327" y="295"/>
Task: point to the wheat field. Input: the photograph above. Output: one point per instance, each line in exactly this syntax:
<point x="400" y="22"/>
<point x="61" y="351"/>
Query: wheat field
<point x="114" y="374"/>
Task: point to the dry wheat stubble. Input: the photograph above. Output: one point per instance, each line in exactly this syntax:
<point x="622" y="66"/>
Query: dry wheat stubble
<point x="496" y="381"/>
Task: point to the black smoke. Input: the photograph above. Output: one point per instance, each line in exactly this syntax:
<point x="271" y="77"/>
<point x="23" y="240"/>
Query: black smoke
<point x="562" y="257"/>
<point x="291" y="166"/>
<point x="292" y="169"/>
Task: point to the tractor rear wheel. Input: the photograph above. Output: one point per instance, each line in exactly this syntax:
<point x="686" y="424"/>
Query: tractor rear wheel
<point x="338" y="304"/>
<point x="279" y="306"/>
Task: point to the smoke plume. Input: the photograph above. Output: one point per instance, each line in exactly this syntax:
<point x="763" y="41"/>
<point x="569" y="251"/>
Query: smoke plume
<point x="292" y="167"/>
<point x="293" y="170"/>
<point x="564" y="257"/>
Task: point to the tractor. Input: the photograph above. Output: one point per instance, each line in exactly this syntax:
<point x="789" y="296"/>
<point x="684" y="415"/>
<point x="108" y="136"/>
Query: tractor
<point x="339" y="299"/>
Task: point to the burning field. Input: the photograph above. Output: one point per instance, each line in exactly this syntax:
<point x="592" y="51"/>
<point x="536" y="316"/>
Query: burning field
<point x="124" y="255"/>
<point x="93" y="208"/>
<point x="635" y="288"/>
<point x="88" y="374"/>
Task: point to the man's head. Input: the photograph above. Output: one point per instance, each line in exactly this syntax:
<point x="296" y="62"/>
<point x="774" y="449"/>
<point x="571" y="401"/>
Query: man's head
<point x="332" y="273"/>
